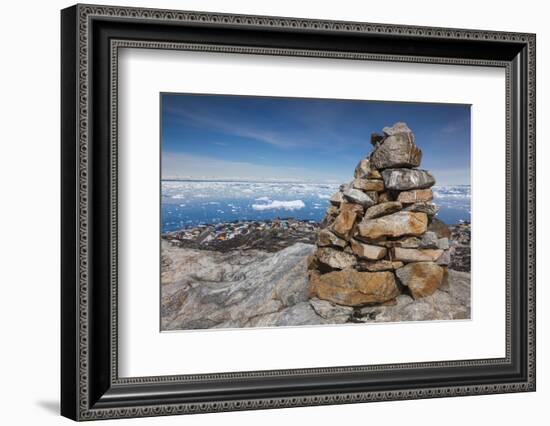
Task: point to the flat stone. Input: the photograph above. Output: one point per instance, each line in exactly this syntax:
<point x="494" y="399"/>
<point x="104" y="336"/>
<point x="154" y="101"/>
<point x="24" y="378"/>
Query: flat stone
<point x="368" y="251"/>
<point x="347" y="206"/>
<point x="444" y="259"/>
<point x="415" y="255"/>
<point x="394" y="225"/>
<point x="353" y="288"/>
<point x="415" y="195"/>
<point x="343" y="224"/>
<point x="369" y="184"/>
<point x="422" y="278"/>
<point x="397" y="149"/>
<point x="327" y="238"/>
<point x="359" y="197"/>
<point x="383" y="209"/>
<point x="424" y="207"/>
<point x="405" y="179"/>
<point x="443" y="243"/>
<point x="337" y="198"/>
<point x="378" y="265"/>
<point x="365" y="170"/>
<point x="335" y="259"/>
<point x="407" y="242"/>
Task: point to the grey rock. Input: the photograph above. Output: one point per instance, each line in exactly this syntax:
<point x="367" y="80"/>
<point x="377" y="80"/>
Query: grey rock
<point x="359" y="197"/>
<point x="443" y="243"/>
<point x="336" y="314"/>
<point x="206" y="289"/>
<point x="397" y="149"/>
<point x="444" y="259"/>
<point x="382" y="209"/>
<point x="396" y="129"/>
<point x="429" y="240"/>
<point x="405" y="179"/>
<point x="335" y="259"/>
<point x="299" y="314"/>
<point x="424" y="207"/>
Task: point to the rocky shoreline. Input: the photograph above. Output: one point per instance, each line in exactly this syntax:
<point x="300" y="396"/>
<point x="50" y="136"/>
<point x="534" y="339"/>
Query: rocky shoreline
<point x="254" y="274"/>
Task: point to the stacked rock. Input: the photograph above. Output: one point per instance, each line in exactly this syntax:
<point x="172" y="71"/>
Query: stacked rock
<point x="380" y="236"/>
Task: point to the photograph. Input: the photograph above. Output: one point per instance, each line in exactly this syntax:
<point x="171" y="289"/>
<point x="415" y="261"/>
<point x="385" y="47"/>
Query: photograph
<point x="281" y="211"/>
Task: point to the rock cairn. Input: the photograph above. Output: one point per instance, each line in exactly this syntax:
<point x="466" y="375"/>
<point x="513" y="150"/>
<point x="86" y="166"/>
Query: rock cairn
<point x="380" y="237"/>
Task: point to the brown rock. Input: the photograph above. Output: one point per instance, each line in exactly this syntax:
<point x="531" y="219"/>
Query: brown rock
<point x="369" y="184"/>
<point x="384" y="197"/>
<point x="343" y="224"/>
<point x="394" y="225"/>
<point x="337" y="198"/>
<point x="365" y="170"/>
<point x="347" y="206"/>
<point x="333" y="210"/>
<point x="416" y="255"/>
<point x="335" y="259"/>
<point x="422" y="278"/>
<point x="406" y="242"/>
<point x="383" y="209"/>
<point x="327" y="238"/>
<point x="415" y="195"/>
<point x="353" y="288"/>
<point x="373" y="196"/>
<point x="368" y="251"/>
<point x="378" y="265"/>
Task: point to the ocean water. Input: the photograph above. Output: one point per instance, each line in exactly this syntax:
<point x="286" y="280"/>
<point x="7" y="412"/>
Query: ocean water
<point x="190" y="203"/>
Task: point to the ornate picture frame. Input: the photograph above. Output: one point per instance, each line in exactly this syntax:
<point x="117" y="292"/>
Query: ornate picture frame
<point x="91" y="37"/>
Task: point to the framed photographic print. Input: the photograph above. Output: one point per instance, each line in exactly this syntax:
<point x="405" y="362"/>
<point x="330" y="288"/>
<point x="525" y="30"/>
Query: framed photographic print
<point x="263" y="212"/>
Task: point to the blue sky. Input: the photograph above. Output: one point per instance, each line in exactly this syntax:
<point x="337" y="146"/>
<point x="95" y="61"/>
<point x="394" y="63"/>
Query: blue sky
<point x="319" y="140"/>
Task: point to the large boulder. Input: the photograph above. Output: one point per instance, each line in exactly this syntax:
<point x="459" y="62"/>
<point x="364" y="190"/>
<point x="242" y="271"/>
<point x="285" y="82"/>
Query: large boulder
<point x="353" y="288"/>
<point x="405" y="179"/>
<point x="422" y="278"/>
<point x="394" y="225"/>
<point x="397" y="149"/>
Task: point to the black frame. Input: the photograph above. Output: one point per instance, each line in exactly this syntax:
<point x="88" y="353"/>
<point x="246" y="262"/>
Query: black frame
<point x="91" y="37"/>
